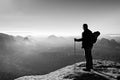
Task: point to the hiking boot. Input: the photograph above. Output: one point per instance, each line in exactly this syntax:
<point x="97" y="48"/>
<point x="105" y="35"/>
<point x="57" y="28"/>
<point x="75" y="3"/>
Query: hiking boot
<point x="87" y="69"/>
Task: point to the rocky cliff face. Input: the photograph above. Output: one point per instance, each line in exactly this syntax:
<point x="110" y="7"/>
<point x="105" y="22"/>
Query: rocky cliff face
<point x="103" y="70"/>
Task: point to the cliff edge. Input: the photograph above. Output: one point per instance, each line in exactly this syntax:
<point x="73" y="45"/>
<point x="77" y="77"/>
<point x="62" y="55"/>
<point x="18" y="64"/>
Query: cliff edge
<point x="103" y="70"/>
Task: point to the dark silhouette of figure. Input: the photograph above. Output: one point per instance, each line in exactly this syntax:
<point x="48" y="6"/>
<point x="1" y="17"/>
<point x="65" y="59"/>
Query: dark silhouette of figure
<point x="87" y="45"/>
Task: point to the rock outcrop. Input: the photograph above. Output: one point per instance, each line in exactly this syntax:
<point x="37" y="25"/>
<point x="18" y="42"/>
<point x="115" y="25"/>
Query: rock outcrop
<point x="103" y="70"/>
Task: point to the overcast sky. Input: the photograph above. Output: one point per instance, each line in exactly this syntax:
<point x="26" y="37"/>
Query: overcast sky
<point x="59" y="17"/>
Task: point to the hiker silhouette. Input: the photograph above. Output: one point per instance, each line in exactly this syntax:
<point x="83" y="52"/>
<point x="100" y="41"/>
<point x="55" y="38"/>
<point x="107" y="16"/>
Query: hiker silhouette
<point x="87" y="45"/>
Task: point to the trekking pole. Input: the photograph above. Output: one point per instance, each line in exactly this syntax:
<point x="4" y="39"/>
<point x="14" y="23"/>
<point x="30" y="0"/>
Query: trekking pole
<point x="74" y="56"/>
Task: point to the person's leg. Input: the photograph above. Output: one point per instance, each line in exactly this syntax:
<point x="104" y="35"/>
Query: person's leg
<point x="88" y="57"/>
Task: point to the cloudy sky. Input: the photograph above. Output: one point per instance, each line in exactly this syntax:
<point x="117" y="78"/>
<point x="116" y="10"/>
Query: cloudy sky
<point x="59" y="17"/>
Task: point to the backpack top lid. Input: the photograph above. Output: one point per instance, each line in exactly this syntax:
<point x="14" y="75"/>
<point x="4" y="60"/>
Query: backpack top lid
<point x="96" y="33"/>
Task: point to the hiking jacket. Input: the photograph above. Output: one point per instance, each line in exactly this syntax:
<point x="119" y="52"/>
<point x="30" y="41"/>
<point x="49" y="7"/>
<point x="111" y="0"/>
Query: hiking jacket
<point x="86" y="39"/>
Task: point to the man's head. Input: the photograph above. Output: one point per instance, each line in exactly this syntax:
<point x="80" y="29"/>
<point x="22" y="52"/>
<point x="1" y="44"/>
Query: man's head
<point x="85" y="26"/>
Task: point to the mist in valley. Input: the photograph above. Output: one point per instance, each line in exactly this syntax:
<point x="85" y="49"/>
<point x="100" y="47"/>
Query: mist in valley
<point x="37" y="55"/>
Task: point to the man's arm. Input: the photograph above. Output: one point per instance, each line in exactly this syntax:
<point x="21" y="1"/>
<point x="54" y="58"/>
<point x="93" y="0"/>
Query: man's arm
<point x="78" y="40"/>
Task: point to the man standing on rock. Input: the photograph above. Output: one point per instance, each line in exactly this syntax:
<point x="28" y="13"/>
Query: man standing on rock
<point x="87" y="45"/>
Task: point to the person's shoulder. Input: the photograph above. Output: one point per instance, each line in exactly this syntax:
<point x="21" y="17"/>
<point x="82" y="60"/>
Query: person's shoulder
<point x="89" y="31"/>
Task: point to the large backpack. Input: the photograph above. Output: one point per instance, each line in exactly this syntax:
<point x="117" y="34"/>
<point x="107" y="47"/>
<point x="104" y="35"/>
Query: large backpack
<point x="95" y="36"/>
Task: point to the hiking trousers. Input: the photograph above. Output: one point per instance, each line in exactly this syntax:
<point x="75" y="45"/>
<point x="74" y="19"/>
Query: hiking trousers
<point x="88" y="56"/>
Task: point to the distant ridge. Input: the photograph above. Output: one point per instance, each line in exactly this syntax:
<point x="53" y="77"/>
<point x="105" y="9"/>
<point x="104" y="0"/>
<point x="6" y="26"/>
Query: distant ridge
<point x="114" y="34"/>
